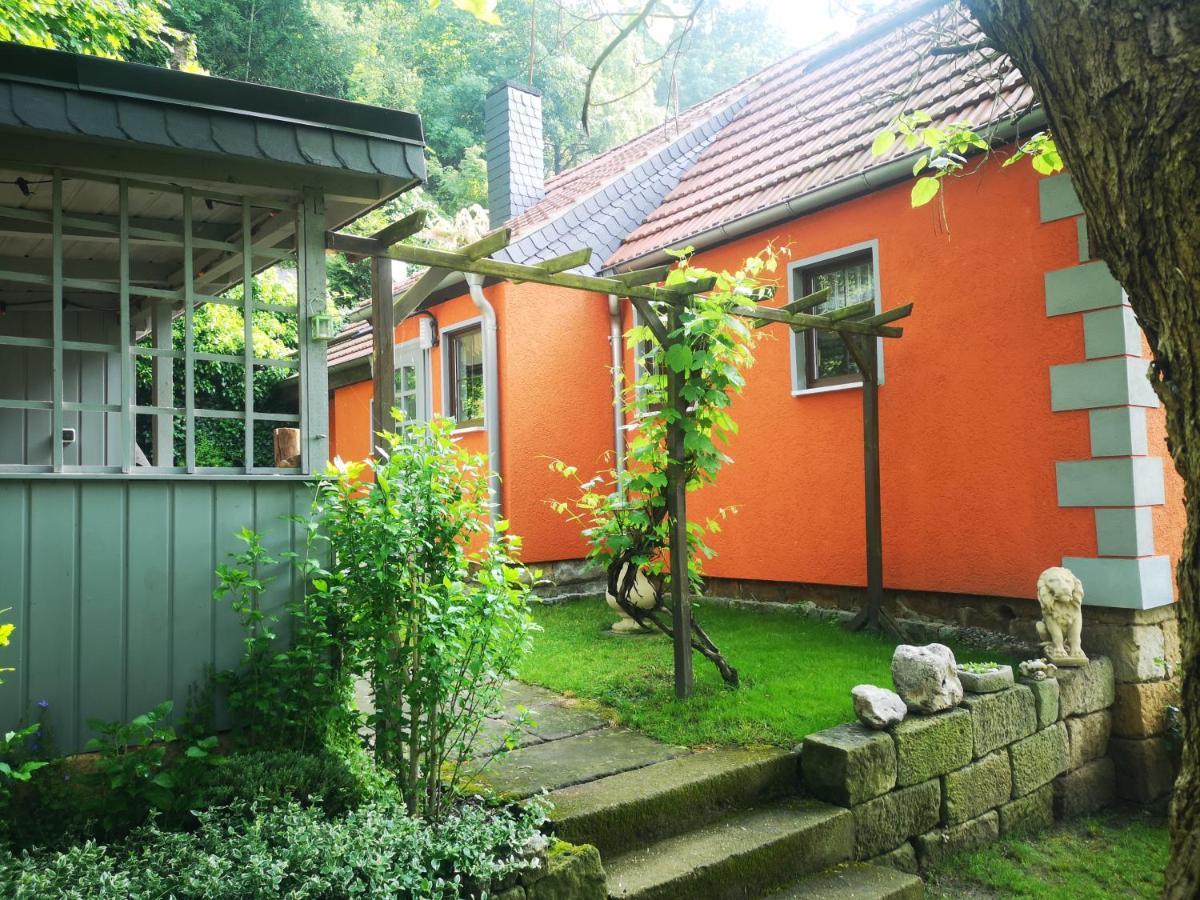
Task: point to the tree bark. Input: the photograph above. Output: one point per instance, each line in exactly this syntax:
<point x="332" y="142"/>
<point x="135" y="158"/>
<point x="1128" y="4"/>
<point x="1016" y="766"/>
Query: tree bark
<point x="1120" y="83"/>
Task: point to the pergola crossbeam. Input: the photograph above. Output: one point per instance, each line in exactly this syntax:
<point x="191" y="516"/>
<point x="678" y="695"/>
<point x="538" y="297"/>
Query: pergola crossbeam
<point x="572" y="260"/>
<point x="399" y="230"/>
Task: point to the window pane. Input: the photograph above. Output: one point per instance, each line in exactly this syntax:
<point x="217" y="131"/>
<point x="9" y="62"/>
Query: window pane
<point x="849" y="283"/>
<point x="468" y="376"/>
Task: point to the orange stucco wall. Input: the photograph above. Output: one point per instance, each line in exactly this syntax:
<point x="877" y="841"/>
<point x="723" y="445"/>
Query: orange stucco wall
<point x="968" y="440"/>
<point x="555" y="397"/>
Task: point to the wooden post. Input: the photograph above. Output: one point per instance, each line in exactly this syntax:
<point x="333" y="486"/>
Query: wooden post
<point x="287" y="448"/>
<point x="383" y="345"/>
<point x="163" y="368"/>
<point x="681" y="611"/>
<point x="866" y="353"/>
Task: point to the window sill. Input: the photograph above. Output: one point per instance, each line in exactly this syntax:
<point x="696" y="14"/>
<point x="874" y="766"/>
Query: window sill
<point x="825" y="389"/>
<point x="469" y="429"/>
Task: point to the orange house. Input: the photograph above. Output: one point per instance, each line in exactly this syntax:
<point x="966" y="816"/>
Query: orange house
<point x="1017" y="427"/>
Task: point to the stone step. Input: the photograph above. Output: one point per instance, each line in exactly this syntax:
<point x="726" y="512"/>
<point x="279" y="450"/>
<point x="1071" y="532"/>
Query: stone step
<point x="628" y="810"/>
<point x="739" y="856"/>
<point x="856" y="881"/>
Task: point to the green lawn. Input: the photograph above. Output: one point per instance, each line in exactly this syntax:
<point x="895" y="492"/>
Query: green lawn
<point x="1119" y="855"/>
<point x="796" y="673"/>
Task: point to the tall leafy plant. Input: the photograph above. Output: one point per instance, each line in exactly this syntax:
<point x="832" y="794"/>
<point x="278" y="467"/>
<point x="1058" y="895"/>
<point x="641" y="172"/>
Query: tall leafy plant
<point x="436" y="612"/>
<point x="623" y="512"/>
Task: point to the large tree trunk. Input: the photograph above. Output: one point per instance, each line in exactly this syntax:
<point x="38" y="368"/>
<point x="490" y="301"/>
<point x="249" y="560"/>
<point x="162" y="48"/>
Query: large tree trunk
<point x="1120" y="84"/>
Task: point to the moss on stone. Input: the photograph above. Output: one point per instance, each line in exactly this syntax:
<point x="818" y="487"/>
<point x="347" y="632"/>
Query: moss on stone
<point x="903" y="858"/>
<point x="1086" y="689"/>
<point x="928" y="746"/>
<point x="1086" y="790"/>
<point x="974" y="789"/>
<point x="849" y="764"/>
<point x="1026" y="815"/>
<point x="1039" y="758"/>
<point x="1000" y="718"/>
<point x="883" y="824"/>
<point x="1045" y="700"/>
<point x="573" y="872"/>
<point x="1087" y="737"/>
<point x="934" y="846"/>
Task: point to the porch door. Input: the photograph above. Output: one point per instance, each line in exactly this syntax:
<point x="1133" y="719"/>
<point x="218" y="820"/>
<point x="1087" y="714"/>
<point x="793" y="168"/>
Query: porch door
<point x="412" y="382"/>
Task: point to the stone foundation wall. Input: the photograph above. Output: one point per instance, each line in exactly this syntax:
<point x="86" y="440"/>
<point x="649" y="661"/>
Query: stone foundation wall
<point x="571" y="872"/>
<point x="1005" y="763"/>
<point x="1143" y="646"/>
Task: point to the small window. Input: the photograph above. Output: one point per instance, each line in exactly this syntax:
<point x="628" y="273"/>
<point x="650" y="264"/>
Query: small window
<point x="822" y="358"/>
<point x="645" y="362"/>
<point x="465" y="369"/>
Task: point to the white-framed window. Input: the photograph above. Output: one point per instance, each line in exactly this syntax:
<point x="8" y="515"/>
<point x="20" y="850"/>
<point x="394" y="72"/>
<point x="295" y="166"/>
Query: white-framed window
<point x="412" y="386"/>
<point x="462" y="374"/>
<point x="820" y="360"/>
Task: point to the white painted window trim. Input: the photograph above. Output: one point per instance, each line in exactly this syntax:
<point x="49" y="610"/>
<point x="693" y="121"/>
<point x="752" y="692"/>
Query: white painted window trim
<point x="444" y="333"/>
<point x="794" y="270"/>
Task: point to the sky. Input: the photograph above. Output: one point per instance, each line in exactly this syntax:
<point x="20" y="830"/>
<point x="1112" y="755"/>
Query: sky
<point x="803" y="22"/>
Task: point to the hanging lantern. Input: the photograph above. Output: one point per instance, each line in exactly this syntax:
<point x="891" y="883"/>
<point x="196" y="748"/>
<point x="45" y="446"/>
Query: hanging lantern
<point x="322" y="327"/>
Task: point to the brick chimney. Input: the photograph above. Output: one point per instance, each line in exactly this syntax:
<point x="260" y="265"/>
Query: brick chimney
<point x="516" y="165"/>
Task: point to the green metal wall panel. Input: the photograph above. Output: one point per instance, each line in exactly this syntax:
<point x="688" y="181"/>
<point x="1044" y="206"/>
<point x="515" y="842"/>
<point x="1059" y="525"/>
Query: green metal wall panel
<point x="110" y="581"/>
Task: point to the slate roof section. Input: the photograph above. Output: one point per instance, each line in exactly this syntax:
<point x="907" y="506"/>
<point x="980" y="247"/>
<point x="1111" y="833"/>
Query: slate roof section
<point x="597" y="203"/>
<point x="65" y="93"/>
<point x="812" y="118"/>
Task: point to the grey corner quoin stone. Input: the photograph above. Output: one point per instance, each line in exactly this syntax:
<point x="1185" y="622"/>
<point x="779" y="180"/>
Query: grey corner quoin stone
<point x="883" y="824"/>
<point x="1086" y="689"/>
<point x="973" y="790"/>
<point x="849" y="764"/>
<point x="1038" y="759"/>
<point x="1045" y="699"/>
<point x="1001" y="718"/>
<point x="1088" y="789"/>
<point x="1028" y="814"/>
<point x="1087" y="737"/>
<point x="928" y="746"/>
<point x="934" y="846"/>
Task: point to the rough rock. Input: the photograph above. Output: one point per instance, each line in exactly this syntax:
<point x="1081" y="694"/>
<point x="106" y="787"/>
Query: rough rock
<point x="903" y="858"/>
<point x="1045" y="699"/>
<point x="1039" y="758"/>
<point x="877" y="707"/>
<point x="928" y="746"/>
<point x="571" y="871"/>
<point x="1086" y="689"/>
<point x="1028" y="814"/>
<point x="1145" y="768"/>
<point x="886" y="822"/>
<point x="925" y="678"/>
<point x="1140" y="710"/>
<point x="974" y="789"/>
<point x="1088" y="737"/>
<point x="1086" y="790"/>
<point x="1001" y="718"/>
<point x="1138" y="652"/>
<point x="849" y="764"/>
<point x="934" y="846"/>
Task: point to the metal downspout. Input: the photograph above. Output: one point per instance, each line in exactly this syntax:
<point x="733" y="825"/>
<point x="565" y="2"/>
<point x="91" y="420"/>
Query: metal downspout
<point x="614" y="338"/>
<point x="491" y="390"/>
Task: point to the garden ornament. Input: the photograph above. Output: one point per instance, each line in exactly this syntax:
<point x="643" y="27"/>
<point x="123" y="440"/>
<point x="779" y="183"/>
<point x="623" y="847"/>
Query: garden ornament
<point x="643" y="596"/>
<point x="1060" y="594"/>
<point x="1038" y="669"/>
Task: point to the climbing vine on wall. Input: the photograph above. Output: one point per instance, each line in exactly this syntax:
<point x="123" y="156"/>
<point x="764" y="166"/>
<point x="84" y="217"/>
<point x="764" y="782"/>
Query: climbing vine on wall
<point x="624" y="511"/>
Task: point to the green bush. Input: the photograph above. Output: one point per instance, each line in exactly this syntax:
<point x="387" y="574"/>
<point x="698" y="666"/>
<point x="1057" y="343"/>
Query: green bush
<point x="275" y="777"/>
<point x="294" y="851"/>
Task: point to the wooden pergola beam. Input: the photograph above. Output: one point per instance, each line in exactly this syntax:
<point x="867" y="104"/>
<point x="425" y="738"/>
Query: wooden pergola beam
<point x="401" y="229"/>
<point x="572" y="260"/>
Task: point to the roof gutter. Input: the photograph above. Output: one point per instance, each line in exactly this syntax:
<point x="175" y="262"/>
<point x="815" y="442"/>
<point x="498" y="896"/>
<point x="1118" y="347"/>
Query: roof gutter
<point x="858" y="185"/>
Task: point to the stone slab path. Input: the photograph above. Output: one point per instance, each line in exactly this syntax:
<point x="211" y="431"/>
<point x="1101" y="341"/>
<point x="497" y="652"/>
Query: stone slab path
<point x="559" y="743"/>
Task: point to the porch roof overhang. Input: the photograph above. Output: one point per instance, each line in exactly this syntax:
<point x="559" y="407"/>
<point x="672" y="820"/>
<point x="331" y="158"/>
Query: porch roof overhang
<point x="63" y="109"/>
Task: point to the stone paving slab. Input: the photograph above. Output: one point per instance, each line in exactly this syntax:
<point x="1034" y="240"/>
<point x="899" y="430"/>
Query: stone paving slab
<point x="572" y="760"/>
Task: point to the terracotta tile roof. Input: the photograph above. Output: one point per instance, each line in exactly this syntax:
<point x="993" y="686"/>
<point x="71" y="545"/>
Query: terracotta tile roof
<point x="811" y="120"/>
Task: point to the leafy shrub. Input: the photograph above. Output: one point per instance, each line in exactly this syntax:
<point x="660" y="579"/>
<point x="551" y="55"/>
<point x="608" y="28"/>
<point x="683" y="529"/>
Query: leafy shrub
<point x="294" y="851"/>
<point x="275" y="777"/>
<point x="436" y="613"/>
<point x="298" y="697"/>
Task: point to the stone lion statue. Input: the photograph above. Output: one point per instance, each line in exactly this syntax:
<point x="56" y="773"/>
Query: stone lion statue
<point x="1060" y="595"/>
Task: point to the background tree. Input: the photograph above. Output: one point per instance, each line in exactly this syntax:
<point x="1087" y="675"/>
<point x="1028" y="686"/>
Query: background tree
<point x="96" y="27"/>
<point x="1119" y="82"/>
